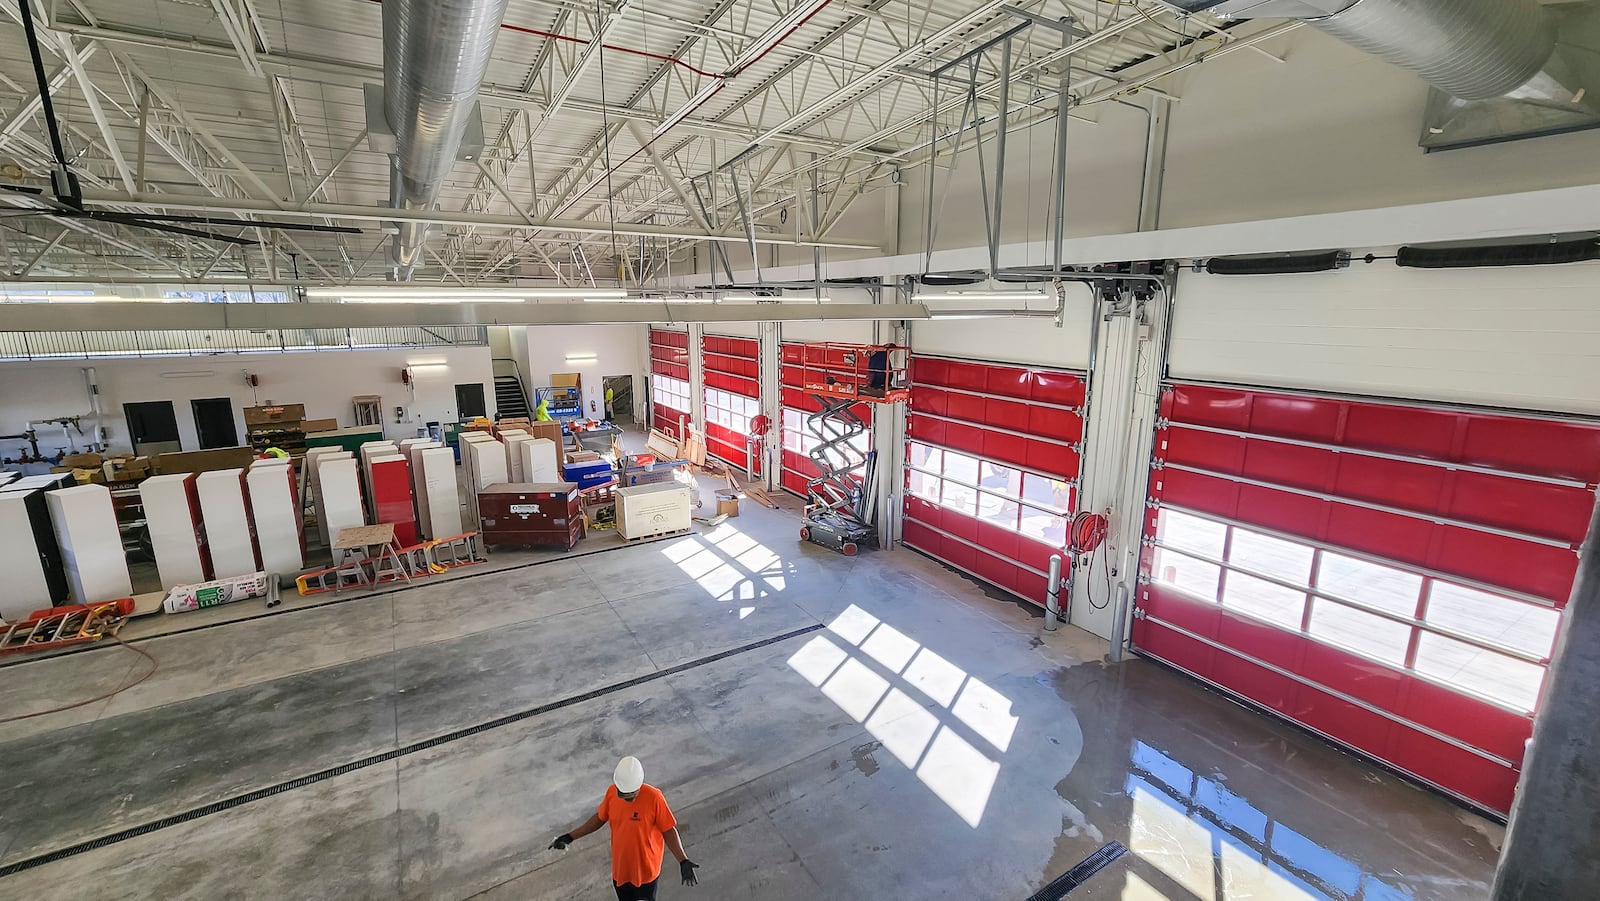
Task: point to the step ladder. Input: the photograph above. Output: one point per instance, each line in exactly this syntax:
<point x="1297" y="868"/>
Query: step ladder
<point x="59" y="627"/>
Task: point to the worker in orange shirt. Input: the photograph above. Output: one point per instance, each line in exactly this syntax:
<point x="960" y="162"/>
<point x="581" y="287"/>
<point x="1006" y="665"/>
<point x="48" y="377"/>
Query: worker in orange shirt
<point x="640" y="824"/>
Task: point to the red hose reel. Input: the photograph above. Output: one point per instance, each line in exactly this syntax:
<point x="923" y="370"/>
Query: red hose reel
<point x="1087" y="532"/>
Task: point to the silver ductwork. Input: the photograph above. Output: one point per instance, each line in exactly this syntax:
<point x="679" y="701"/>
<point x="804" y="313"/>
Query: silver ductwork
<point x="1470" y="49"/>
<point x="435" y="55"/>
<point x="1502" y="69"/>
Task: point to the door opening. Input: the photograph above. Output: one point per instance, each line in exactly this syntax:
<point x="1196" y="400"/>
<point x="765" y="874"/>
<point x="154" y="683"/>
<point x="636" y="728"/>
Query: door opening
<point x="213" y="422"/>
<point x="619" y="398"/>
<point x="469" y="401"/>
<point x="153" y="427"/>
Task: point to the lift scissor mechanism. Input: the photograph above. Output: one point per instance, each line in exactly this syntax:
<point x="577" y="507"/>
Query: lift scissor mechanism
<point x="838" y="377"/>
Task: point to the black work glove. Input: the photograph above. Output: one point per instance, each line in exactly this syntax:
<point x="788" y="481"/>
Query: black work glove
<point x="561" y="842"/>
<point x="687" y="868"/>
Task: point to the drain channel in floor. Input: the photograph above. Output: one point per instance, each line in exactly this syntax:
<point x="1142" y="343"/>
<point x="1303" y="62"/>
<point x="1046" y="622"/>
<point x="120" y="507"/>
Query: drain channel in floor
<point x="1078" y="875"/>
<point x="424" y="745"/>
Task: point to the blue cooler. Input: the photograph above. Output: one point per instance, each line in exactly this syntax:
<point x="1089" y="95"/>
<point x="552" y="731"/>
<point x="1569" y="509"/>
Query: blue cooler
<point x="588" y="475"/>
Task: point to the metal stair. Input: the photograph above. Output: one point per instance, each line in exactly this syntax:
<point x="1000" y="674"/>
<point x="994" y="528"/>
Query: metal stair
<point x="509" y="397"/>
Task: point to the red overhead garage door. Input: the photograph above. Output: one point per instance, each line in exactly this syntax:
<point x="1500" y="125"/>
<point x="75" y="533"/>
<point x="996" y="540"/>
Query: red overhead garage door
<point x="669" y="378"/>
<point x="797" y="439"/>
<point x="1387" y="574"/>
<point x="733" y="394"/>
<point x="991" y="467"/>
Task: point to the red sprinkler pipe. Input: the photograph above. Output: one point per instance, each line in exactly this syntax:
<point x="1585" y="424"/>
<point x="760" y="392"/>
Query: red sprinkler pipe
<point x="721" y="83"/>
<point x="522" y="29"/>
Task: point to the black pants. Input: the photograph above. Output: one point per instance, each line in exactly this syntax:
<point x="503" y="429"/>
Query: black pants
<point x="627" y="891"/>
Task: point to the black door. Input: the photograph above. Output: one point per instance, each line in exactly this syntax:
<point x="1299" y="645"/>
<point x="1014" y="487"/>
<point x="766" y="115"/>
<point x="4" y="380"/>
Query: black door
<point x="153" y="426"/>
<point x="213" y="422"/>
<point x="469" y="401"/>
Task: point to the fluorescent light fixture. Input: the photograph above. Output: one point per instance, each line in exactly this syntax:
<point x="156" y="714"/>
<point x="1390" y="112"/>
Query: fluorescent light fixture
<point x="428" y="298"/>
<point x="582" y="358"/>
<point x="990" y="296"/>
<point x="752" y="298"/>
<point x="63" y="298"/>
<point x="648" y="300"/>
<point x="398" y="293"/>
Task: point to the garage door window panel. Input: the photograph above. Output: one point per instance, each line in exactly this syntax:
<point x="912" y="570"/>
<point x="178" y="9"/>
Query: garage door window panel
<point x="972" y="425"/>
<point x="1431" y="560"/>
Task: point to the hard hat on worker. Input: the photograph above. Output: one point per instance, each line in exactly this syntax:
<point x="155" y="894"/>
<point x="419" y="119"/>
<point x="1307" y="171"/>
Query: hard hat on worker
<point x="628" y="776"/>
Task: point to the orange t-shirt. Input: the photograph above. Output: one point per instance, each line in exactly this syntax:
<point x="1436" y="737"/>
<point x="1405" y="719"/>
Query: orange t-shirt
<point x="637" y="838"/>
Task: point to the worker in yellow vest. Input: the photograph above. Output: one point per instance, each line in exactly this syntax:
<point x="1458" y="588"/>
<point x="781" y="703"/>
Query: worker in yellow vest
<point x="610" y="397"/>
<point x="541" y="413"/>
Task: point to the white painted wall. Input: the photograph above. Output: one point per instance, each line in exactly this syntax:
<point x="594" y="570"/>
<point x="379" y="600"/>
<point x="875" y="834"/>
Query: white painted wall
<point x="857" y="332"/>
<point x="1036" y="341"/>
<point x="736" y="329"/>
<point x="1525" y="337"/>
<point x="618" y="350"/>
<point x="1331" y="130"/>
<point x="324" y="381"/>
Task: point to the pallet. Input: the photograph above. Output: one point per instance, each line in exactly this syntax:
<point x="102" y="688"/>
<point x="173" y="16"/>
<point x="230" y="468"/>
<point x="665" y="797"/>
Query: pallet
<point x="651" y="537"/>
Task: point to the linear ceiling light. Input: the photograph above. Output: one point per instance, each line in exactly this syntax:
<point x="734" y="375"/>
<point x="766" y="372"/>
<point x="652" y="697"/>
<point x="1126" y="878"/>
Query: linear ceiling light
<point x="62" y="298"/>
<point x="389" y="294"/>
<point x="648" y="300"/>
<point x="987" y="296"/>
<point x="428" y="298"/>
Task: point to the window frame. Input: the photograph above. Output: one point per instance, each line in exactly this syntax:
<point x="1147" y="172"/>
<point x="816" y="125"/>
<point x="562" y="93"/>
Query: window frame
<point x="1315" y="594"/>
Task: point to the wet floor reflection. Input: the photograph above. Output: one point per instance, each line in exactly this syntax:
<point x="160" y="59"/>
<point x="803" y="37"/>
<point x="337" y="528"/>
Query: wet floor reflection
<point x="1218" y="803"/>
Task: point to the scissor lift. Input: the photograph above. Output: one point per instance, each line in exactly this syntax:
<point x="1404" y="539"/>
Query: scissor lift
<point x="839" y="376"/>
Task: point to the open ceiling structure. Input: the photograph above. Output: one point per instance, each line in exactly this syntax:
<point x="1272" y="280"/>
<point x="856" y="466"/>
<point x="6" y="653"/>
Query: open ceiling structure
<point x="613" y="133"/>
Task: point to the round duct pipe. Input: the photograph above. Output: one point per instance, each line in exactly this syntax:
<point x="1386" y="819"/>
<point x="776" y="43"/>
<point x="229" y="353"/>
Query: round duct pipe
<point x="1472" y="49"/>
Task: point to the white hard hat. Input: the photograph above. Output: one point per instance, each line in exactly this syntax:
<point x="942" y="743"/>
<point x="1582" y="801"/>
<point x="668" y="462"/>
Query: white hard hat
<point x="629" y="775"/>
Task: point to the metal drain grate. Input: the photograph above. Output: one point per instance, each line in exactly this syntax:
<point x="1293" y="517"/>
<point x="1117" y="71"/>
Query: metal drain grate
<point x="1078" y="875"/>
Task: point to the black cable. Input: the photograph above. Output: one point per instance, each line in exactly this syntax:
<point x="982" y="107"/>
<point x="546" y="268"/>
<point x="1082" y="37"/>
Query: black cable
<point x="44" y="99"/>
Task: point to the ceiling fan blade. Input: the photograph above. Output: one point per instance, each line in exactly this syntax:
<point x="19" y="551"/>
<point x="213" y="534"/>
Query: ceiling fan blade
<point x="255" y="223"/>
<point x="141" y="222"/>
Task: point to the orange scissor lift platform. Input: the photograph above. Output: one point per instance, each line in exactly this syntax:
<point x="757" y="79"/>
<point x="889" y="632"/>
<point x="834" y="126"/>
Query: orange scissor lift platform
<point x="839" y="376"/>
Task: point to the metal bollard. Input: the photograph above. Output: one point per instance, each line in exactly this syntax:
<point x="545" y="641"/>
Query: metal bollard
<point x="1119" y="619"/>
<point x="1052" y="595"/>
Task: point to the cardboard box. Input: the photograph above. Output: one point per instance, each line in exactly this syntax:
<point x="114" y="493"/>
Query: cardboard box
<point x="82" y="461"/>
<point x="550" y="430"/>
<point x="204" y="461"/>
<point x="727" y="503"/>
<point x="274" y="415"/>
<point x="319" y="425"/>
<point x="648" y="510"/>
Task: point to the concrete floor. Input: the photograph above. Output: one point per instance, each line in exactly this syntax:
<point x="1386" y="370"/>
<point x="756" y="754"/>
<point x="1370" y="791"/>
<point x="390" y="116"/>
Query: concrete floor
<point x="915" y="739"/>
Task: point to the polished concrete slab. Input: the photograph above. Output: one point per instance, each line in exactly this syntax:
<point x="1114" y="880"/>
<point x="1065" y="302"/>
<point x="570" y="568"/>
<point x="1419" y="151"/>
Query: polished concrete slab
<point x="922" y="739"/>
